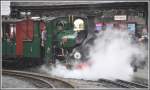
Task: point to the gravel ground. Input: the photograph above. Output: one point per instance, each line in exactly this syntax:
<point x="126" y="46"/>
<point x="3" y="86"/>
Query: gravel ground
<point x="141" y="76"/>
<point x="142" y="73"/>
<point x="11" y="82"/>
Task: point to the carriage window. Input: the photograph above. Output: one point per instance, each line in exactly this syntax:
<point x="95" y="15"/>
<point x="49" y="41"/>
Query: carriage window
<point x="27" y="29"/>
<point x="79" y="25"/>
<point x="12" y="30"/>
<point x="6" y="29"/>
<point x="61" y="25"/>
<point x="9" y="30"/>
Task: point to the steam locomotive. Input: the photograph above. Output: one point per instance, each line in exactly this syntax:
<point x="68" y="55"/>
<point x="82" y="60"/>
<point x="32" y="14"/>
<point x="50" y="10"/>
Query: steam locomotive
<point x="39" y="40"/>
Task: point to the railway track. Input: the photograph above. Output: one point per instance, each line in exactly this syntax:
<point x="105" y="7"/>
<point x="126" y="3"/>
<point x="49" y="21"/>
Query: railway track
<point x="104" y="83"/>
<point x="109" y="83"/>
<point x="40" y="81"/>
<point x="121" y="84"/>
<point x="141" y="81"/>
<point x="131" y="84"/>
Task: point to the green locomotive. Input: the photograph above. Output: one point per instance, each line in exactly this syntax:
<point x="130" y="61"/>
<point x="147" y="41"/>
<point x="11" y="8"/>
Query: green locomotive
<point x="64" y="34"/>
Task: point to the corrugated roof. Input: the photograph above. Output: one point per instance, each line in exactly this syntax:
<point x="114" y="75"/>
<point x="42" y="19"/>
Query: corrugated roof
<point x="57" y="3"/>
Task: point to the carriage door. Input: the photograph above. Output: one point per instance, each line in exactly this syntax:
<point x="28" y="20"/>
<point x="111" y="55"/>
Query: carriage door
<point x="24" y="37"/>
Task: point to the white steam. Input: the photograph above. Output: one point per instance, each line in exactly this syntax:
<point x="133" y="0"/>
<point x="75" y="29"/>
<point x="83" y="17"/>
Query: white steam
<point x="110" y="58"/>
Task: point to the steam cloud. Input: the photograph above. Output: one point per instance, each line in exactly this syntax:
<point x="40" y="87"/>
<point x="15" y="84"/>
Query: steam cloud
<point x="110" y="58"/>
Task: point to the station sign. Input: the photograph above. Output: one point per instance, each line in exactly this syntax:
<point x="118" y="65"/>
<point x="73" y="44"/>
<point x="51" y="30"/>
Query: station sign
<point x="120" y="17"/>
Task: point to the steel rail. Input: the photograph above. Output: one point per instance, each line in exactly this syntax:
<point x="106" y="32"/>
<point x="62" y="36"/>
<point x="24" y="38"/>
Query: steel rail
<point x="112" y="83"/>
<point x="54" y="82"/>
<point x="41" y="82"/>
<point x="131" y="84"/>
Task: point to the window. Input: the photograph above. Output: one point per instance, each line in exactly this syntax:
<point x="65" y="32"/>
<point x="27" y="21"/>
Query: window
<point x="60" y="25"/>
<point x="131" y="27"/>
<point x="99" y="26"/>
<point x="9" y="30"/>
<point x="12" y="30"/>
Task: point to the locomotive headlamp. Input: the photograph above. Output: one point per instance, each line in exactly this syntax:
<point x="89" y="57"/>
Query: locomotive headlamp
<point x="78" y="25"/>
<point x="77" y="55"/>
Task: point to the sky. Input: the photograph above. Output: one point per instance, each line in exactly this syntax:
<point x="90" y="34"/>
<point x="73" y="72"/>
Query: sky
<point x="5" y="7"/>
